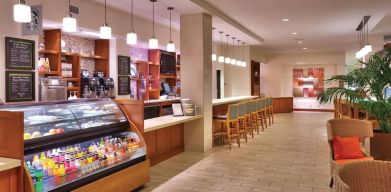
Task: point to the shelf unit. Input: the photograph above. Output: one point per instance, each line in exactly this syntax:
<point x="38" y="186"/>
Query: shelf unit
<point x="53" y="52"/>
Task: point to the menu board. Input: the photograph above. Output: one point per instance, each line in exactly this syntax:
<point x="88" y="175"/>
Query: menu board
<point x="123" y="85"/>
<point x="123" y="65"/>
<point x="19" y="54"/>
<point x="20" y="86"/>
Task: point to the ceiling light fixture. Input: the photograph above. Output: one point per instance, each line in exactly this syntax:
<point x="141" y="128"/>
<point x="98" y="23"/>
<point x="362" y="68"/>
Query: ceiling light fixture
<point x="22" y="12"/>
<point x="214" y="56"/>
<point x="221" y="57"/>
<point x="238" y="61"/>
<point x="233" y="60"/>
<point x="105" y="30"/>
<point x="131" y="37"/>
<point x="294" y="33"/>
<point x="227" y="58"/>
<point x="170" y="44"/>
<point x="305" y="48"/>
<point x="285" y="20"/>
<point x="300" y="41"/>
<point x="69" y="24"/>
<point x="153" y="42"/>
<point x="244" y="63"/>
<point x="364" y="47"/>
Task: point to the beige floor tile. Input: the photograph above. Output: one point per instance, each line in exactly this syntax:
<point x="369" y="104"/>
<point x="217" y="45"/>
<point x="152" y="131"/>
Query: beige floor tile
<point x="291" y="155"/>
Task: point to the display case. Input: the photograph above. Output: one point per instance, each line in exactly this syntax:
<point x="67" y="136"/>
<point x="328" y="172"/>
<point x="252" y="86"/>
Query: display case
<point x="73" y="143"/>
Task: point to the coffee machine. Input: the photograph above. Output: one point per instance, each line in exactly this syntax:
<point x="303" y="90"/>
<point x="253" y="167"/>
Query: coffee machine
<point x="108" y="87"/>
<point x="97" y="86"/>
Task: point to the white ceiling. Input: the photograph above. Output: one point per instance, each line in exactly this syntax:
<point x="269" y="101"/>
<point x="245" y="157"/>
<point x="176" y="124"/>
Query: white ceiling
<point x="324" y="25"/>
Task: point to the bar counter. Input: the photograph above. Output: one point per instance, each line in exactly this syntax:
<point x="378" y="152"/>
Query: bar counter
<point x="7" y="163"/>
<point x="231" y="100"/>
<point x="166" y="121"/>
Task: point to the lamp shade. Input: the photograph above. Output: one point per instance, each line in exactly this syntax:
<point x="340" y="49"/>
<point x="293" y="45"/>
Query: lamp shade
<point x="221" y="59"/>
<point x="244" y="64"/>
<point x="170" y="47"/>
<point x="239" y="62"/>
<point x="105" y="32"/>
<point x="22" y="13"/>
<point x="233" y="61"/>
<point x="368" y="48"/>
<point x="131" y="38"/>
<point x="227" y="60"/>
<point x="153" y="43"/>
<point x="69" y="24"/>
<point x="214" y="57"/>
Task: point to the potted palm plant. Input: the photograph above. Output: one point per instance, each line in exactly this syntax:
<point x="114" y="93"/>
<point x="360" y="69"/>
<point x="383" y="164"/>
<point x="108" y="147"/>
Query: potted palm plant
<point x="368" y="88"/>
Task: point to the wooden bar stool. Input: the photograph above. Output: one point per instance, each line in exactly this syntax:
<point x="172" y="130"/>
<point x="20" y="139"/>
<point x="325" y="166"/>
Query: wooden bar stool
<point x="229" y="123"/>
<point x="243" y="129"/>
<point x="249" y="120"/>
<point x="270" y="107"/>
<point x="266" y="111"/>
<point x="261" y="114"/>
<point x="254" y="114"/>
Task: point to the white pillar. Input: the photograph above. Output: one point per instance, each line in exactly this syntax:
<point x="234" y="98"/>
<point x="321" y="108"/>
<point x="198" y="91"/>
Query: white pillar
<point x="196" y="77"/>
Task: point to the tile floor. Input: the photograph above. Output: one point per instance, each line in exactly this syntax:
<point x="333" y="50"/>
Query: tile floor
<point x="291" y="155"/>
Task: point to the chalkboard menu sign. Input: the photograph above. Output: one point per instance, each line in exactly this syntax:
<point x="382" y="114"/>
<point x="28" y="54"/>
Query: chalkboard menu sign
<point x="123" y="65"/>
<point x="20" y="86"/>
<point x="123" y="85"/>
<point x="19" y="54"/>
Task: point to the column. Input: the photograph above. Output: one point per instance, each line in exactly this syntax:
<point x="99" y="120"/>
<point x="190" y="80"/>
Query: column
<point x="196" y="78"/>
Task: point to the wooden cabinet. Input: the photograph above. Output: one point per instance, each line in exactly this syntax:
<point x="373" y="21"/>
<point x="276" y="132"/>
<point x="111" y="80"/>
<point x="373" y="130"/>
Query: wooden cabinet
<point x="177" y="136"/>
<point x="163" y="140"/>
<point x="283" y="104"/>
<point x="150" y="140"/>
<point x="9" y="180"/>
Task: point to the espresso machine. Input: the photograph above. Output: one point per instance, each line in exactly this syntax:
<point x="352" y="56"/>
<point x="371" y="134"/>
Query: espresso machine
<point x="97" y="86"/>
<point x="108" y="87"/>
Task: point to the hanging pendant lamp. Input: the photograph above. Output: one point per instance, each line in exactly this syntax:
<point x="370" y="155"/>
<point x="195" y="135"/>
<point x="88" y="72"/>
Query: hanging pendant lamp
<point x="131" y="37"/>
<point x="233" y="60"/>
<point x="368" y="47"/>
<point x="69" y="24"/>
<point x="153" y="42"/>
<point x="238" y="62"/>
<point x="227" y="58"/>
<point x="221" y="57"/>
<point x="214" y="56"/>
<point x="22" y="12"/>
<point x="170" y="44"/>
<point x="105" y="30"/>
<point x="244" y="63"/>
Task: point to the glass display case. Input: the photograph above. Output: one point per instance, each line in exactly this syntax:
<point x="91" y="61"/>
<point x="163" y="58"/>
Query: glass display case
<point x="73" y="143"/>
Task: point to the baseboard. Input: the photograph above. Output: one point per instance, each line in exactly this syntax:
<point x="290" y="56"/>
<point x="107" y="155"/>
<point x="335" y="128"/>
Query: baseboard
<point x="314" y="110"/>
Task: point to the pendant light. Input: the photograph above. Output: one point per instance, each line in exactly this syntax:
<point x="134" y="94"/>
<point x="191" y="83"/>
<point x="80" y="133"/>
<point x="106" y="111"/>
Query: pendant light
<point x="69" y="24"/>
<point x="227" y="58"/>
<point x="153" y="42"/>
<point x="170" y="44"/>
<point x="368" y="47"/>
<point x="244" y="63"/>
<point x="239" y="62"/>
<point x="131" y="37"/>
<point x="233" y="60"/>
<point x="22" y="12"/>
<point x="214" y="56"/>
<point x="221" y="57"/>
<point x="105" y="30"/>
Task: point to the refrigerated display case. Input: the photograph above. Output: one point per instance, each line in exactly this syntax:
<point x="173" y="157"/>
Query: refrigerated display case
<point x="71" y="144"/>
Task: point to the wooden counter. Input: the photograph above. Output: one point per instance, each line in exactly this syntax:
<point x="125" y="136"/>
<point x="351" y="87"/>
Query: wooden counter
<point x="164" y="136"/>
<point x="154" y="101"/>
<point x="282" y="104"/>
<point x="7" y="163"/>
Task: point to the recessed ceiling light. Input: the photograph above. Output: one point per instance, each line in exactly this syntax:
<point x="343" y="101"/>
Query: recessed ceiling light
<point x="305" y="48"/>
<point x="300" y="41"/>
<point x="285" y="20"/>
<point x="294" y="33"/>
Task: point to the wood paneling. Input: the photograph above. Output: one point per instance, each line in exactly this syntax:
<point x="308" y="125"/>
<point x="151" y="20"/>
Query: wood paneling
<point x="283" y="104"/>
<point x="177" y="136"/>
<point x="163" y="140"/>
<point x="9" y="180"/>
<point x="122" y="181"/>
<point x="150" y="140"/>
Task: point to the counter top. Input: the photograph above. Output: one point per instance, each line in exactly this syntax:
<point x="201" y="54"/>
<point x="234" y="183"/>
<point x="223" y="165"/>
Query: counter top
<point x="7" y="163"/>
<point x="160" y="100"/>
<point x="166" y="121"/>
<point x="231" y="99"/>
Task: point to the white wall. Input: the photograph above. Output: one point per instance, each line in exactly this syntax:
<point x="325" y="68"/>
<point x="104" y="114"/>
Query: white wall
<point x="277" y="74"/>
<point x="237" y="79"/>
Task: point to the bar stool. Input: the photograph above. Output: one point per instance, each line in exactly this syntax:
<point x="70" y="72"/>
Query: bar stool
<point x="270" y="107"/>
<point x="260" y="113"/>
<point x="249" y="120"/>
<point x="229" y="124"/>
<point x="254" y="114"/>
<point x="243" y="130"/>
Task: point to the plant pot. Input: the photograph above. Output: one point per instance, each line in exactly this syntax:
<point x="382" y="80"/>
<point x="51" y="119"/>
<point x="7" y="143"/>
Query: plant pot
<point x="381" y="145"/>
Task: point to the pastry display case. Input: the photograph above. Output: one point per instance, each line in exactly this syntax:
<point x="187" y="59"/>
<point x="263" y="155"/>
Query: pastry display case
<point x="70" y="144"/>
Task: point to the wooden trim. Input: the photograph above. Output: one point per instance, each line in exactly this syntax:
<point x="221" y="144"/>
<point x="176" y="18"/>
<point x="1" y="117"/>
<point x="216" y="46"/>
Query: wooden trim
<point x="162" y="157"/>
<point x="314" y="110"/>
<point x="125" y="180"/>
